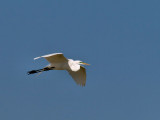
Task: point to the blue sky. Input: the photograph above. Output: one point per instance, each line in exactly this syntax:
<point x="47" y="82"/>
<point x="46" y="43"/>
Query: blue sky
<point x="120" y="39"/>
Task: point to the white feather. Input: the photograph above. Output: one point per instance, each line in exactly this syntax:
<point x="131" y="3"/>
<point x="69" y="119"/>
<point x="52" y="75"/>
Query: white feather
<point x="37" y="58"/>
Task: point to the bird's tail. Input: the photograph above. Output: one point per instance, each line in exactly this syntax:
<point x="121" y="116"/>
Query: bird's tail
<point x="39" y="70"/>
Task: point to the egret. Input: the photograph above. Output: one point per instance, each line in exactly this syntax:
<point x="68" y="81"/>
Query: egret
<point x="59" y="62"/>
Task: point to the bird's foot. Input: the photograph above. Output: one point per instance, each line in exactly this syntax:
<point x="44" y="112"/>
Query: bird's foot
<point x="32" y="72"/>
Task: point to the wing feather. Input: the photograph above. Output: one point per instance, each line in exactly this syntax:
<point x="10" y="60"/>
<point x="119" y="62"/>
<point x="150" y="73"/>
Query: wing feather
<point x="79" y="76"/>
<point x="54" y="58"/>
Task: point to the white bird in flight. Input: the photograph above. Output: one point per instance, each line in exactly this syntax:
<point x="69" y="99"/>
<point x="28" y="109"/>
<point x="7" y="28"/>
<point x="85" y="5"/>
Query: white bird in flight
<point x="59" y="62"/>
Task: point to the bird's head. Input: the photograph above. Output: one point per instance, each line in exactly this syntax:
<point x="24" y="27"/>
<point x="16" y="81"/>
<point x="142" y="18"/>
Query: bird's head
<point x="82" y="63"/>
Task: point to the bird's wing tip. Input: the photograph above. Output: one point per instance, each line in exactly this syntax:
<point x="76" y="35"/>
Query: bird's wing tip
<point x="37" y="58"/>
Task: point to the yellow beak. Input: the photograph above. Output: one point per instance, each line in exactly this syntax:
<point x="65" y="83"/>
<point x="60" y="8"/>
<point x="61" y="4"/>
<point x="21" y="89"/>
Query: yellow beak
<point x="85" y="63"/>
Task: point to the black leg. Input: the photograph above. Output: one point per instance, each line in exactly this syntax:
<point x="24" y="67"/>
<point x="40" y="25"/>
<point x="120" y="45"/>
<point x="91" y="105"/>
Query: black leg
<point x="33" y="71"/>
<point x="40" y="70"/>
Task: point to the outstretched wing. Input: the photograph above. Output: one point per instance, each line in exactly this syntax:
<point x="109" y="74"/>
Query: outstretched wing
<point x="79" y="76"/>
<point x="54" y="58"/>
